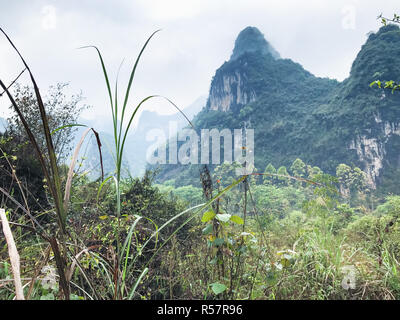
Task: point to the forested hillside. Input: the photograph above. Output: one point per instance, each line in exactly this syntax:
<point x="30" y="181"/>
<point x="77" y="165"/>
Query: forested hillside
<point x="297" y="115"/>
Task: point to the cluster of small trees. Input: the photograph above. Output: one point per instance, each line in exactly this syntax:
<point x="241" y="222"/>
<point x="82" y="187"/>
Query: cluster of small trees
<point x="351" y="180"/>
<point x="298" y="169"/>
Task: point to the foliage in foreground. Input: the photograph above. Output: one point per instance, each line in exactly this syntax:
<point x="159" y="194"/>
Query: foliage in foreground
<point x="319" y="247"/>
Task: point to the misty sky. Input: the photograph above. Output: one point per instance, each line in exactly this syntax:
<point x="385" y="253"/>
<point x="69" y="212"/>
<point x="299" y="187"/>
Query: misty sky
<point x="197" y="37"/>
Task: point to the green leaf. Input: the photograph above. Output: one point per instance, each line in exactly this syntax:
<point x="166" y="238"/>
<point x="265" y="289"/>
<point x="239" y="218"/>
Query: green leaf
<point x="388" y="84"/>
<point x="237" y="219"/>
<point x="207" y="216"/>
<point x="218" y="242"/>
<point x="223" y="217"/>
<point x="376" y="82"/>
<point x="49" y="296"/>
<point x="217" y="287"/>
<point x="208" y="229"/>
<point x="68" y="126"/>
<point x="285" y="262"/>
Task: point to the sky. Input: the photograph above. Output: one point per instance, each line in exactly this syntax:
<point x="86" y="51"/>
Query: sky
<point x="197" y="36"/>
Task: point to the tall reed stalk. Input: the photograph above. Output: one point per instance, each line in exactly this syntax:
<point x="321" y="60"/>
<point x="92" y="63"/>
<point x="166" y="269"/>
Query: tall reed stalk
<point x="48" y="162"/>
<point x="120" y="116"/>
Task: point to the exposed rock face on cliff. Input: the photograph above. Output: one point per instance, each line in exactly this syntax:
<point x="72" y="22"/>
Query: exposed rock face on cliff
<point x="372" y="148"/>
<point x="230" y="90"/>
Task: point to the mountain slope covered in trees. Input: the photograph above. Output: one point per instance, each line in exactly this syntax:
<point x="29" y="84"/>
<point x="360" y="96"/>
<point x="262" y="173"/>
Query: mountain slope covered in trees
<point x="295" y="114"/>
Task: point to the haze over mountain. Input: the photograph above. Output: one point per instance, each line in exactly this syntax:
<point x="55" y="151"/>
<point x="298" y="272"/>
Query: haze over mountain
<point x="3" y="124"/>
<point x="295" y="114"/>
<point x="136" y="144"/>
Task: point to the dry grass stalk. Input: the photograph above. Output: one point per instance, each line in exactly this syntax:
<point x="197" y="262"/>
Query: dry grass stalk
<point x="14" y="256"/>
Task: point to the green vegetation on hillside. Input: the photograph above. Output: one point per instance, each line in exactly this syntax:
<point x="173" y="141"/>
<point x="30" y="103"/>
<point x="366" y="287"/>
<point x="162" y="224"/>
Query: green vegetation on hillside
<point x="297" y="115"/>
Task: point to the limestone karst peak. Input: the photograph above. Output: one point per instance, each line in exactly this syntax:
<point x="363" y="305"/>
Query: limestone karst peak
<point x="251" y="39"/>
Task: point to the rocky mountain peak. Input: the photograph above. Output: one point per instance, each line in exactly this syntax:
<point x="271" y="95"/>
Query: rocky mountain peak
<point x="251" y="39"/>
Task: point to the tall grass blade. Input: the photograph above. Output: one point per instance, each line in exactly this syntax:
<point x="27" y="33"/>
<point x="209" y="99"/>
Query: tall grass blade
<point x="144" y="272"/>
<point x="60" y="262"/>
<point x="133" y="115"/>
<point x="70" y="175"/>
<point x="105" y="77"/>
<point x="128" y="89"/>
<point x="54" y="180"/>
<point x="68" y="126"/>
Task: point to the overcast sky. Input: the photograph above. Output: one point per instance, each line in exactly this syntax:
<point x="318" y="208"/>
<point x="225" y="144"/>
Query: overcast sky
<point x="197" y="37"/>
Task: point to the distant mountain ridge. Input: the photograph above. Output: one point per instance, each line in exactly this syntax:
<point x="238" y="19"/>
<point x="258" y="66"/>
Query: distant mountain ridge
<point x="134" y="161"/>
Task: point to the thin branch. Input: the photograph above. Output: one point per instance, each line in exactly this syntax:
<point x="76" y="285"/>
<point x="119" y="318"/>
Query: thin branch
<point x="1" y="94"/>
